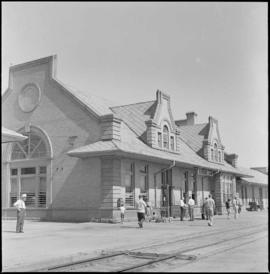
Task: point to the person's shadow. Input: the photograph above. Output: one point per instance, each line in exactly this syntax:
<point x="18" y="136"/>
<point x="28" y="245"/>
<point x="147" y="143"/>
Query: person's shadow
<point x="9" y="231"/>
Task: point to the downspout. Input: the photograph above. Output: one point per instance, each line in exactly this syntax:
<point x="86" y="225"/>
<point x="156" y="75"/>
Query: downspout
<point x="155" y="179"/>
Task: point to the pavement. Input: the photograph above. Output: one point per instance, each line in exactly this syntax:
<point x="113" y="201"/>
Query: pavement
<point x="49" y="243"/>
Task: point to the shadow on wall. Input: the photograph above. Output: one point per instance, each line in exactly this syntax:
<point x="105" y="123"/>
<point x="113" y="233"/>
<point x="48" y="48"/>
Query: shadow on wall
<point x="79" y="195"/>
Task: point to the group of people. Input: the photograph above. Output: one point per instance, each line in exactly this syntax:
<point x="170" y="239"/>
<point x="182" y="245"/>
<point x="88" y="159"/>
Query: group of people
<point x="208" y="209"/>
<point x="236" y="205"/>
<point x="144" y="210"/>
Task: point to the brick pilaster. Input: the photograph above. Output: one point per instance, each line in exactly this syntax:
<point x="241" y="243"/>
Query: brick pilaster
<point x="218" y="192"/>
<point x="110" y="182"/>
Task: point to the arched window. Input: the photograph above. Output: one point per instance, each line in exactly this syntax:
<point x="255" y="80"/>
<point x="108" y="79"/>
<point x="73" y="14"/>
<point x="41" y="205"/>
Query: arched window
<point x="212" y="154"/>
<point x="216" y="152"/>
<point x="159" y="139"/>
<point x="219" y="156"/>
<point x="165" y="137"/>
<point x="31" y="148"/>
<point x="29" y="169"/>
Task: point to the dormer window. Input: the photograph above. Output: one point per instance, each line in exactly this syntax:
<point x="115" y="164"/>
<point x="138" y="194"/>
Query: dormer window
<point x="165" y="137"/>
<point x="159" y="139"/>
<point x="216" y="152"/>
<point x="212" y="154"/>
<point x="219" y="156"/>
<point x="172" y="142"/>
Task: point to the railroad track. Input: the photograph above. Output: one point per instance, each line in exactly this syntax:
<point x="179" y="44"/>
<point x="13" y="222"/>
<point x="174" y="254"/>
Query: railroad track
<point x="135" y="259"/>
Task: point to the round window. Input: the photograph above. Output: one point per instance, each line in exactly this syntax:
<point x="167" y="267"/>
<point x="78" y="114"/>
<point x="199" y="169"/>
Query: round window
<point x="29" y="97"/>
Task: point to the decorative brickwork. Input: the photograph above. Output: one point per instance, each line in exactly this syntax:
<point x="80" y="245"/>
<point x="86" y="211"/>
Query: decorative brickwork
<point x="151" y="133"/>
<point x="111" y="127"/>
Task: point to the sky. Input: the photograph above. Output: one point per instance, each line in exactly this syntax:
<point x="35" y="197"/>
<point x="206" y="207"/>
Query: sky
<point x="210" y="58"/>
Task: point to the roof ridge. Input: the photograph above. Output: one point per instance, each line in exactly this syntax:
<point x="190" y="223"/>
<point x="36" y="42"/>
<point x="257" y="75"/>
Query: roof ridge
<point x="81" y="92"/>
<point x="133" y="104"/>
<point x="199" y="124"/>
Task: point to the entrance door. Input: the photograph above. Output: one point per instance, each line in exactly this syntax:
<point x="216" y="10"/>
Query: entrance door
<point x="166" y="193"/>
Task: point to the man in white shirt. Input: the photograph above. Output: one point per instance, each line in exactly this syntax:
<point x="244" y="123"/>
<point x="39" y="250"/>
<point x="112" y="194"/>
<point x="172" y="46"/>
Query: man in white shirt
<point x="210" y="207"/>
<point x="182" y="209"/>
<point x="20" y="205"/>
<point x="235" y="207"/>
<point x="141" y="206"/>
<point x="122" y="210"/>
<point x="191" y="204"/>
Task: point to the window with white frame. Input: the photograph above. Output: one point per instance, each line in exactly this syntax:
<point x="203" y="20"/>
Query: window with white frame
<point x="165" y="137"/>
<point x="172" y="142"/>
<point x="212" y="154"/>
<point x="216" y="152"/>
<point x="144" y="181"/>
<point x="219" y="156"/>
<point x="129" y="181"/>
<point x="159" y="139"/>
<point x="28" y="170"/>
<point x="228" y="188"/>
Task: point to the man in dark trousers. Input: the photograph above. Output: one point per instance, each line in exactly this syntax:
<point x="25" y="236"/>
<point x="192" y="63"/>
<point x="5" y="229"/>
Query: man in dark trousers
<point x="182" y="209"/>
<point x="20" y="205"/>
<point x="141" y="208"/>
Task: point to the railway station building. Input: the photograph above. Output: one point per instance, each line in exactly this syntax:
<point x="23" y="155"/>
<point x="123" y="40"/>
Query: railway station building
<point x="83" y="155"/>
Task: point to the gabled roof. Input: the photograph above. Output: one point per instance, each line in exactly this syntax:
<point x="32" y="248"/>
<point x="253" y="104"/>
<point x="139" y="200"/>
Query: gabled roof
<point x="94" y="104"/>
<point x="257" y="176"/>
<point x="194" y="135"/>
<point x="99" y="105"/>
<point x="135" y="115"/>
<point x="9" y="135"/>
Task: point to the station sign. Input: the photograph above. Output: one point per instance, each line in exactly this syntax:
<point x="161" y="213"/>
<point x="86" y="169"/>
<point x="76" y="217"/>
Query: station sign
<point x="205" y="172"/>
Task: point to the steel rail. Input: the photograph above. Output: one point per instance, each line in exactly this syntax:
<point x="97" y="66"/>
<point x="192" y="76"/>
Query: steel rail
<point x="102" y="257"/>
<point x="175" y="255"/>
<point x="85" y="261"/>
<point x="219" y="252"/>
<point x="193" y="237"/>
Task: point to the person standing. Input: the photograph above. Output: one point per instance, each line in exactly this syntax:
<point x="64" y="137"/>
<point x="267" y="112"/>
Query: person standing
<point x="191" y="204"/>
<point x="20" y="206"/>
<point x="210" y="206"/>
<point x="122" y="212"/>
<point x="239" y="206"/>
<point x="228" y="208"/>
<point x="148" y="210"/>
<point x="235" y="207"/>
<point x="182" y="209"/>
<point x="204" y="209"/>
<point x="141" y="208"/>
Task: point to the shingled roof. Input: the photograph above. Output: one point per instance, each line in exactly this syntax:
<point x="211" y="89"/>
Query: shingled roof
<point x="99" y="105"/>
<point x="131" y="144"/>
<point x="135" y="115"/>
<point x="257" y="176"/>
<point x="194" y="135"/>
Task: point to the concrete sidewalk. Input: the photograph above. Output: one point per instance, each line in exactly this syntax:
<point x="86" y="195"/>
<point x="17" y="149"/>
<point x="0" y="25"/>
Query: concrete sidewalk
<point x="49" y="243"/>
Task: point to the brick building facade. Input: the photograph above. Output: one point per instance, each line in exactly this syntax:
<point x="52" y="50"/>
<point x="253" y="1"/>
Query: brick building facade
<point x="83" y="155"/>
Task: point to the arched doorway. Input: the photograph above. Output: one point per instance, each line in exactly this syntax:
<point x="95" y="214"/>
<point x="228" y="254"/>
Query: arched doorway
<point x="30" y="165"/>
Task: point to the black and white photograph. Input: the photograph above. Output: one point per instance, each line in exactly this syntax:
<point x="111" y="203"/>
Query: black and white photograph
<point x="134" y="137"/>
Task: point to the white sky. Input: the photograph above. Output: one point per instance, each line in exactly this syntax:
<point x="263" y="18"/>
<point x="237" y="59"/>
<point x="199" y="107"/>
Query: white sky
<point x="210" y="57"/>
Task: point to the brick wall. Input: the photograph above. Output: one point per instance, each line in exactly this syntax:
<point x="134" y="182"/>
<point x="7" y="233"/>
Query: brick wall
<point x="60" y="118"/>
